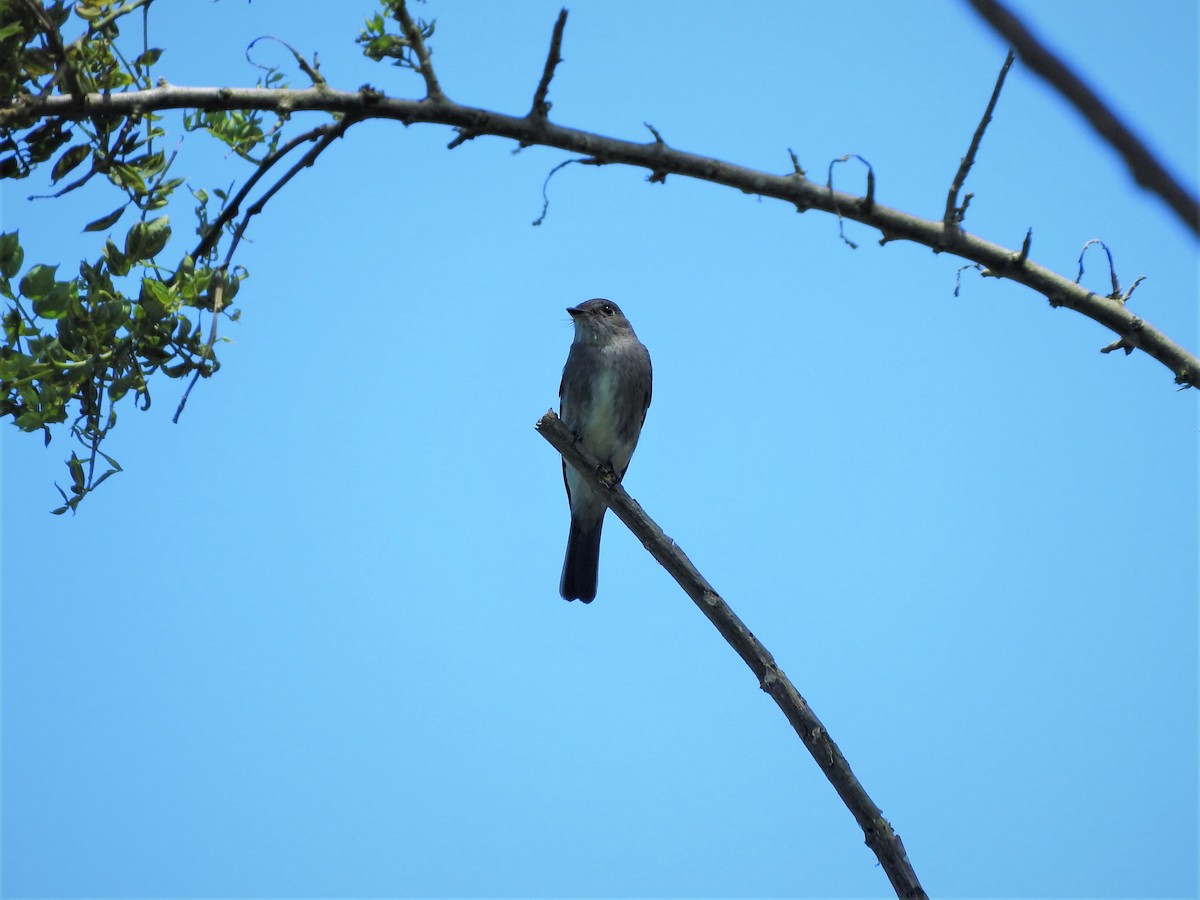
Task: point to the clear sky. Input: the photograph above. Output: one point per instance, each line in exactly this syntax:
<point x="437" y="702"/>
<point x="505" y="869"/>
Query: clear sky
<point x="309" y="643"/>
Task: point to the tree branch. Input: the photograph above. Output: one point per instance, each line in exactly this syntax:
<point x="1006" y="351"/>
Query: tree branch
<point x="412" y="34"/>
<point x="1145" y="168"/>
<point x="955" y="213"/>
<point x="792" y="188"/>
<point x="328" y="134"/>
<point x="880" y="837"/>
<point x="234" y="206"/>
<point x="541" y="108"/>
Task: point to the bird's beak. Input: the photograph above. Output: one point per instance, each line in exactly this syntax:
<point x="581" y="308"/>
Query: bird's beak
<point x="574" y="311"/>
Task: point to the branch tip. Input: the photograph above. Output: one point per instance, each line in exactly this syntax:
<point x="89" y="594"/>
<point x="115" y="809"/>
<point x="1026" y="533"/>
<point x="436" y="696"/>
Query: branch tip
<point x="541" y="107"/>
<point x="955" y="213"/>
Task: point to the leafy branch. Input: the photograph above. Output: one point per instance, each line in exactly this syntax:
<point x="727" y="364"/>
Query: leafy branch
<point x="75" y="348"/>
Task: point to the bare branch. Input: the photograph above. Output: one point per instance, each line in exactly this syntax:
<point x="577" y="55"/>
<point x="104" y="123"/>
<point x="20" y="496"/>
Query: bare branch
<point x="880" y="837"/>
<point x="312" y="70"/>
<point x="1145" y="168"/>
<point x="541" y="108"/>
<point x="797" y="191"/>
<point x="955" y="213"/>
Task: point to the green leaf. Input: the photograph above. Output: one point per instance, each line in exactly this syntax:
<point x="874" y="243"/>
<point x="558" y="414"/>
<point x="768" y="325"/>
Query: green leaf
<point x="149" y="58"/>
<point x="147" y="239"/>
<point x="70" y="160"/>
<point x="56" y="302"/>
<point x="29" y="421"/>
<point x="75" y="464"/>
<point x="11" y="254"/>
<point x="127" y="178"/>
<point x="106" y="222"/>
<point x="38" y="281"/>
<point x="157" y="299"/>
<point x="118" y="263"/>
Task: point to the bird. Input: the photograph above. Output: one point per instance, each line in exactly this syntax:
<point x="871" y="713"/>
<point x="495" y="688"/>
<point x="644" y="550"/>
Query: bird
<point x="603" y="398"/>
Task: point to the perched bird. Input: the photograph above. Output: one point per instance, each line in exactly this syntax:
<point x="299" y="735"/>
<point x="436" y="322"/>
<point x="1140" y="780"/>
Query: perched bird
<point x="603" y="398"/>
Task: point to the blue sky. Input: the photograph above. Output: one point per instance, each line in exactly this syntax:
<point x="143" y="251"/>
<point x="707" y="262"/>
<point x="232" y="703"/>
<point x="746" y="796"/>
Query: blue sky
<point x="309" y="643"/>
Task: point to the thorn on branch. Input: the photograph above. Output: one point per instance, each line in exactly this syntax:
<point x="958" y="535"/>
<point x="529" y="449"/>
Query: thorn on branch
<point x="541" y="108"/>
<point x="657" y="176"/>
<point x="1127" y="343"/>
<point x="1119" y="344"/>
<point x="1023" y="256"/>
<point x="464" y="135"/>
<point x="954" y="212"/>
<point x="797" y="169"/>
<point x="798" y="172"/>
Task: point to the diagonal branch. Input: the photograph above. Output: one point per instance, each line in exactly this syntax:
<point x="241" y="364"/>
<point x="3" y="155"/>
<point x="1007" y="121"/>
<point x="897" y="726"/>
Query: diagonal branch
<point x="955" y="212"/>
<point x="659" y="158"/>
<point x="541" y="108"/>
<point x="1145" y="168"/>
<point x="880" y="837"/>
<point x="234" y="206"/>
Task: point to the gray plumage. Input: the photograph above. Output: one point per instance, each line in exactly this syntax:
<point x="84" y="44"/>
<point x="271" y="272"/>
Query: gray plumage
<point x="603" y="398"/>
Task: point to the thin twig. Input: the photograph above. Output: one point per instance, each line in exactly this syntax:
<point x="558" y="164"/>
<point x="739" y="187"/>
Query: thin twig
<point x="1112" y="269"/>
<point x="541" y="108"/>
<point x="218" y="303"/>
<point x="233" y="207"/>
<point x="334" y="132"/>
<point x="866" y="203"/>
<point x="1142" y="164"/>
<point x="546" y="184"/>
<point x="880" y="837"/>
<point x="309" y="69"/>
<point x="954" y="212"/>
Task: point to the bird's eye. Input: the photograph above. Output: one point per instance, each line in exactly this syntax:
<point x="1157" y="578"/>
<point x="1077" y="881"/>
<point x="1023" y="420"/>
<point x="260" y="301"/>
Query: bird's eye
<point x="607" y="308"/>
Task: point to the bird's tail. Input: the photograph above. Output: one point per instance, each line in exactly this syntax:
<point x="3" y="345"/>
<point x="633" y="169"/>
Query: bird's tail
<point x="582" y="562"/>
